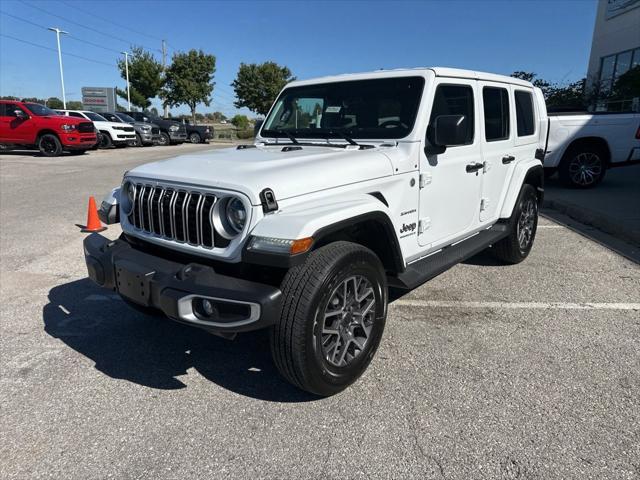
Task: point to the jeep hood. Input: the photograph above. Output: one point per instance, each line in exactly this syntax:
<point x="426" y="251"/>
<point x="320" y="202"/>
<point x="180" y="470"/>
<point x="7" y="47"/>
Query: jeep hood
<point x="287" y="173"/>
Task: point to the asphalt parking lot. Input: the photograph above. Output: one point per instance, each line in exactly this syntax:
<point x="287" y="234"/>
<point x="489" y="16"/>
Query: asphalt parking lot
<point x="521" y="372"/>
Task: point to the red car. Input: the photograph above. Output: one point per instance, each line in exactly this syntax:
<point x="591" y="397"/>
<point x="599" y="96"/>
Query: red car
<point x="34" y="125"/>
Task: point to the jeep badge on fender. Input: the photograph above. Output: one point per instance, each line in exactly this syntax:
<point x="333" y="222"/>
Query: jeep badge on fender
<point x="355" y="183"/>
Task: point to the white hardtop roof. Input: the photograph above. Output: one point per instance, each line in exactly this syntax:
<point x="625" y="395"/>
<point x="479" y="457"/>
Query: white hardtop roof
<point x="402" y="72"/>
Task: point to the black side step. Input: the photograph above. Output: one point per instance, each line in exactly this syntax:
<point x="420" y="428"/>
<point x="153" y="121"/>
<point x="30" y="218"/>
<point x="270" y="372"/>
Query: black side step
<point x="419" y="272"/>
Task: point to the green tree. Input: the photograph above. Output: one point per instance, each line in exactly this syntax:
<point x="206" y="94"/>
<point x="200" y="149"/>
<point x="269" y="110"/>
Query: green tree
<point x="189" y="80"/>
<point x="75" y="105"/>
<point x="216" y="117"/>
<point x="55" y="103"/>
<point x="154" y="111"/>
<point x="257" y="85"/>
<point x="145" y="77"/>
<point x="627" y="86"/>
<point x="240" y="121"/>
<point x="543" y="85"/>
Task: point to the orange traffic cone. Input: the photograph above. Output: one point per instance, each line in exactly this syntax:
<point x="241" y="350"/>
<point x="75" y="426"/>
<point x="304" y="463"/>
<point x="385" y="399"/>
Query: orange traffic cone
<point x="93" y="221"/>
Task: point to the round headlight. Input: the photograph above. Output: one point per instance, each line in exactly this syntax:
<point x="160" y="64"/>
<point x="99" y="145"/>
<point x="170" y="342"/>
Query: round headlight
<point x="236" y="214"/>
<point x="229" y="217"/>
<point x="127" y="197"/>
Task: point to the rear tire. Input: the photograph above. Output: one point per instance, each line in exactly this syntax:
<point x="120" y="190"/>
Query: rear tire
<point x="105" y="141"/>
<point x="49" y="145"/>
<point x="583" y="166"/>
<point x="195" y="138"/>
<point x="524" y="222"/>
<point x="333" y="317"/>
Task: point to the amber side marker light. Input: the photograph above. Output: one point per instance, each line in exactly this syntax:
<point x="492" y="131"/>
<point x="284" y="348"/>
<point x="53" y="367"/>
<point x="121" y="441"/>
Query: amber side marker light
<point x="300" y="246"/>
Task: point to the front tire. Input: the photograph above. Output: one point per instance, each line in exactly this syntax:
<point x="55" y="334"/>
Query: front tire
<point x="164" y="140"/>
<point x="515" y="247"/>
<point x="49" y="145"/>
<point x="333" y="317"/>
<point x="105" y="141"/>
<point x="138" y="141"/>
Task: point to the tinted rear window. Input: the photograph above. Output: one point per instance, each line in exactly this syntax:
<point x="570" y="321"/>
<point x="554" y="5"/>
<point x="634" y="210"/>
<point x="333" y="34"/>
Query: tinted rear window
<point x="524" y="113"/>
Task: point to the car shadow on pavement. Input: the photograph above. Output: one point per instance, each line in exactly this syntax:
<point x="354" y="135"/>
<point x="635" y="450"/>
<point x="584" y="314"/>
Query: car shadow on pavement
<point x="155" y="351"/>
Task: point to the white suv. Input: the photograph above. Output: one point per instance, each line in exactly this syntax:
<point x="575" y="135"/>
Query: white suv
<point x="111" y="133"/>
<point x="356" y="184"/>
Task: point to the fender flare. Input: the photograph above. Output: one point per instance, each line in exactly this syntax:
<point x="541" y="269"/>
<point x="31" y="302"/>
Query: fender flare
<point x="320" y="220"/>
<point x="530" y="171"/>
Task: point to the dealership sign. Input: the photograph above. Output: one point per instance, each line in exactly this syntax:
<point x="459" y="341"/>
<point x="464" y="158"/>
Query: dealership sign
<point x="99" y="99"/>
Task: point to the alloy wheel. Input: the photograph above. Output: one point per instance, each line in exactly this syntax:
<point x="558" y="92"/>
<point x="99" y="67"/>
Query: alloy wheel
<point x="48" y="145"/>
<point x="347" y="321"/>
<point x="585" y="169"/>
<point x="526" y="223"/>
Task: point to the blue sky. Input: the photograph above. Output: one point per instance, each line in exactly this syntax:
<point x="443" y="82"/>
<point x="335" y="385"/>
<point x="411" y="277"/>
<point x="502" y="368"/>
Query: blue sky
<point x="549" y="37"/>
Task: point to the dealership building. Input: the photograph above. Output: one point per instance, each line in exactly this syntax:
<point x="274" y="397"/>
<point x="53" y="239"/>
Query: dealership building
<point x="615" y="49"/>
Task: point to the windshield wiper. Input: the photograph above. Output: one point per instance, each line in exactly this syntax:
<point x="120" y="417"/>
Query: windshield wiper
<point x="349" y="140"/>
<point x="289" y="135"/>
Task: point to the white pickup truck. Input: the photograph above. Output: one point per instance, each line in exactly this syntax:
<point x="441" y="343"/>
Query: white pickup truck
<point x="356" y="183"/>
<point x="581" y="147"/>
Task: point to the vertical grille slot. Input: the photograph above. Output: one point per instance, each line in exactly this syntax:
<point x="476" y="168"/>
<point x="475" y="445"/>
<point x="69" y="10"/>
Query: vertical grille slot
<point x="176" y="215"/>
<point x="206" y="224"/>
<point x="165" y="213"/>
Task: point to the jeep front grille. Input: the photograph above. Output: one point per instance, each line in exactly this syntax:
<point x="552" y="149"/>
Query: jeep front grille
<point x="175" y="214"/>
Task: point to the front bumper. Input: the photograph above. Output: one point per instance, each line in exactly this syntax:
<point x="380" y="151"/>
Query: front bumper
<point x="178" y="136"/>
<point x="79" y="141"/>
<point x="177" y="289"/>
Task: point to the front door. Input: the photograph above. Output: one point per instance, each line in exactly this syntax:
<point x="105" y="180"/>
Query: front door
<point x="498" y="147"/>
<point x="16" y="129"/>
<point x="451" y="181"/>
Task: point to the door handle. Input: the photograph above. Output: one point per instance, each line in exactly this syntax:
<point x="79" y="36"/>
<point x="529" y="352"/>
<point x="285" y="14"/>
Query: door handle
<point x="508" y="159"/>
<point x="474" y="167"/>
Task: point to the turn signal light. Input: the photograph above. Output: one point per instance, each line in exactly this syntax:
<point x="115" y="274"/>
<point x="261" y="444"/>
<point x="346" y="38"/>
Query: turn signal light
<point x="301" y="246"/>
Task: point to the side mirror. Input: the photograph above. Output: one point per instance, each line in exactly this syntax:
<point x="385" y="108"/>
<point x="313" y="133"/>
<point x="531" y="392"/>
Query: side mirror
<point x="446" y="131"/>
<point x="20" y="114"/>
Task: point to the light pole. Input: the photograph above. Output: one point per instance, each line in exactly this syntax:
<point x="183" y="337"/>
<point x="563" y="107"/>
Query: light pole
<point x="126" y="68"/>
<point x="58" y="32"/>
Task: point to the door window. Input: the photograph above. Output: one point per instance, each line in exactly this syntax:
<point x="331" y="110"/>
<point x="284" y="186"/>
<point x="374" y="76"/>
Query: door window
<point x="524" y="113"/>
<point x="496" y="113"/>
<point x="455" y="100"/>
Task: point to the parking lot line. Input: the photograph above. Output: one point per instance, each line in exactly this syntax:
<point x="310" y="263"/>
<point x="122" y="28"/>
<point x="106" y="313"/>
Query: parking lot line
<point x="517" y="305"/>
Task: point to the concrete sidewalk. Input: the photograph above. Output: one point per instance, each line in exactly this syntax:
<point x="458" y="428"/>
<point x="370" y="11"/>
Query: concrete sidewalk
<point x="613" y="206"/>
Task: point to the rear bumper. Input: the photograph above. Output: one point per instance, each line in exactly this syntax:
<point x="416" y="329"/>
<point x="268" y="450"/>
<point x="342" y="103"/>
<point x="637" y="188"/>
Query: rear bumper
<point x="178" y="289"/>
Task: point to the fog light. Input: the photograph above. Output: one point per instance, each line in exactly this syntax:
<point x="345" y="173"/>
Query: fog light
<point x="207" y="307"/>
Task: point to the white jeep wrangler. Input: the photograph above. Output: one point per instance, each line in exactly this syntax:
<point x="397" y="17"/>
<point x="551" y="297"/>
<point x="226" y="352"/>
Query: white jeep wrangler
<point x="355" y="184"/>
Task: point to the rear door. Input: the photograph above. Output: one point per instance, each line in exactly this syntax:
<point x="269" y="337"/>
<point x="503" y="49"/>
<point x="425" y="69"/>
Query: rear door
<point x="499" y="154"/>
<point x="450" y="191"/>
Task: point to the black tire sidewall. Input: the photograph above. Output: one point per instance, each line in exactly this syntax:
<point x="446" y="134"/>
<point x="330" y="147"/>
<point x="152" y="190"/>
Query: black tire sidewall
<point x="58" y="150"/>
<point x="105" y="141"/>
<point x="165" y="140"/>
<point x="196" y="137"/>
<point x="324" y="377"/>
<point x="138" y="140"/>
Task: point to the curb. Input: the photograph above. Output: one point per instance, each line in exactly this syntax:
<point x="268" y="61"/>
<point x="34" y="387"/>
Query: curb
<point x="597" y="220"/>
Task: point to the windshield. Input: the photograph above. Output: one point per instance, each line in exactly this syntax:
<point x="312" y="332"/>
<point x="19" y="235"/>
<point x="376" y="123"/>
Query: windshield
<point x="377" y="108"/>
<point x="40" y="110"/>
<point x="124" y="117"/>
<point x="95" y="117"/>
<point x="111" y="117"/>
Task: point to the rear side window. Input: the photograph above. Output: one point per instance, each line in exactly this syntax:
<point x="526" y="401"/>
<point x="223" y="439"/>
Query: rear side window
<point x="455" y="100"/>
<point x="524" y="113"/>
<point x="75" y="114"/>
<point x="9" y="110"/>
<point x="496" y="113"/>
